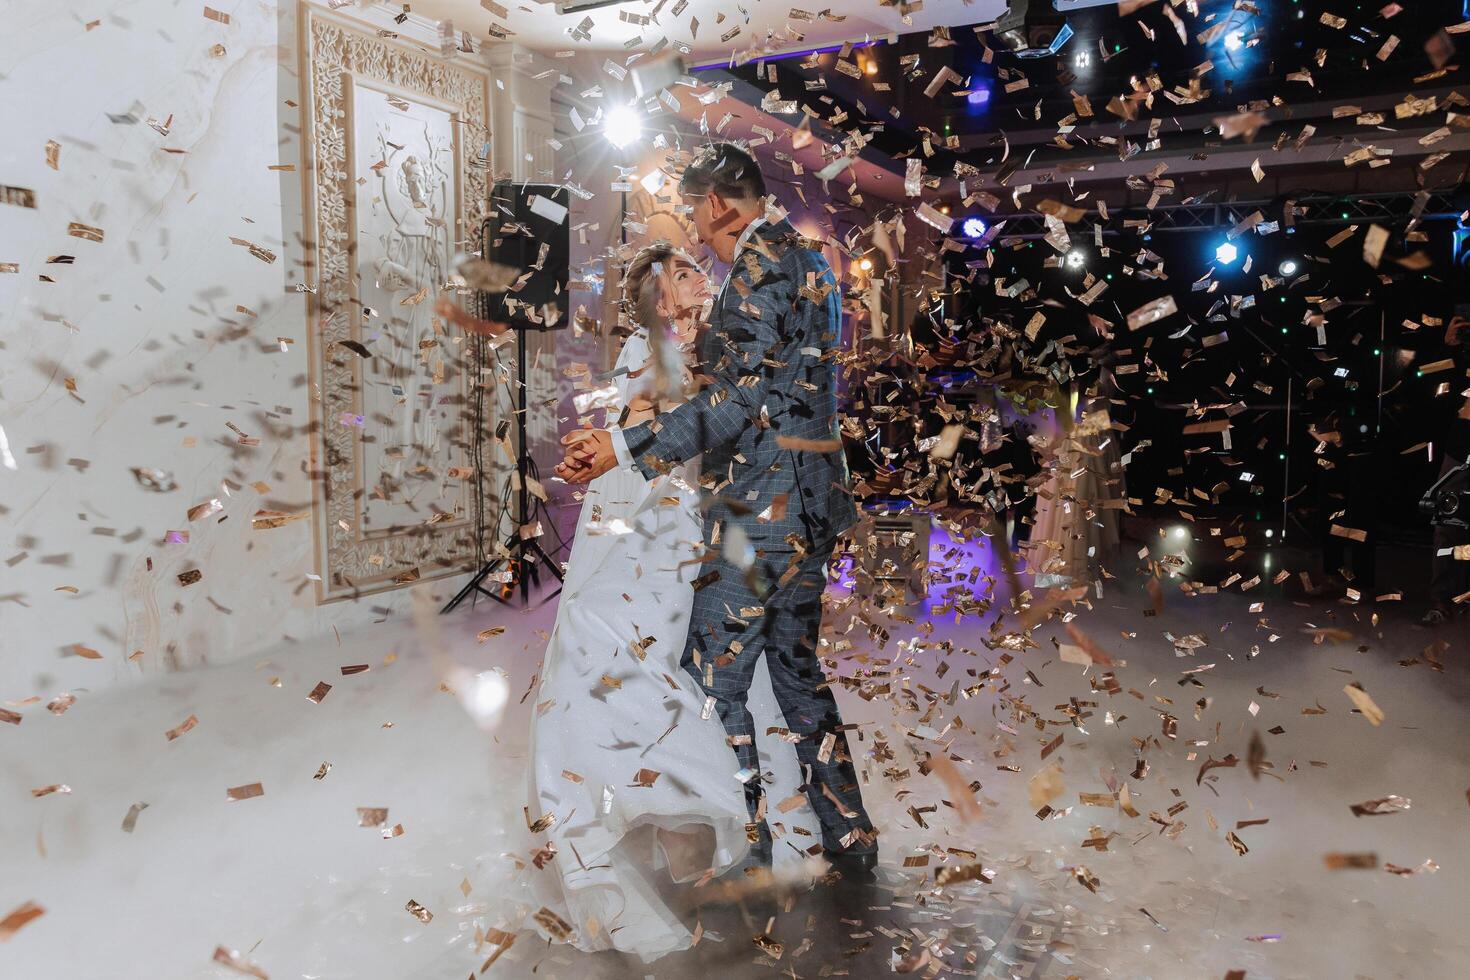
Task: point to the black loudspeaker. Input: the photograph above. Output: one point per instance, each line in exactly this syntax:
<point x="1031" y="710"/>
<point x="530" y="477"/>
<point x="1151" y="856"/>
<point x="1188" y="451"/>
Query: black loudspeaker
<point x="528" y="230"/>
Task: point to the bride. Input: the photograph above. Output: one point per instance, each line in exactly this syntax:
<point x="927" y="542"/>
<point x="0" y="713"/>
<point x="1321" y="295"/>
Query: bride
<point x="633" y="787"/>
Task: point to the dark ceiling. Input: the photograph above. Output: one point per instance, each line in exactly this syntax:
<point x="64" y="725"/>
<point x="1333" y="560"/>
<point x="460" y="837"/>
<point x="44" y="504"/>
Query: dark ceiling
<point x="1250" y="56"/>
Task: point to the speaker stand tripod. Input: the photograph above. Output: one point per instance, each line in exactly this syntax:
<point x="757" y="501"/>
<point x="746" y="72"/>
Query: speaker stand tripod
<point x="524" y="556"/>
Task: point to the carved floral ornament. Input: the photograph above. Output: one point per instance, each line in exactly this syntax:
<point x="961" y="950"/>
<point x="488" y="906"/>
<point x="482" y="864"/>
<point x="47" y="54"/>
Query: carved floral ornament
<point x="348" y="561"/>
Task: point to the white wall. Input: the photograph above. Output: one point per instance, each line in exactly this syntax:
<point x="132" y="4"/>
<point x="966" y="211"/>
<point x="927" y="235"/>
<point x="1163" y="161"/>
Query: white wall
<point x="146" y="322"/>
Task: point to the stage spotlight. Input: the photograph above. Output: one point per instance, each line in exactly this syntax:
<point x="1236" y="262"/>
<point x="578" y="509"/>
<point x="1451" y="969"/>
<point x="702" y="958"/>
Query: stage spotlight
<point x="1076" y="259"/>
<point x="1181" y="532"/>
<point x="974" y="228"/>
<point x="621" y="125"/>
<point x="1226" y="253"/>
<point x="1288" y="267"/>
<point x="1270" y="533"/>
<point x="865" y="264"/>
<point x="1082" y="60"/>
<point x="1234" y="40"/>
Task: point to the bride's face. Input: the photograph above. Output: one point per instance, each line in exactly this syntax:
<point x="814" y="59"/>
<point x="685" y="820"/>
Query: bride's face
<point x="685" y="293"/>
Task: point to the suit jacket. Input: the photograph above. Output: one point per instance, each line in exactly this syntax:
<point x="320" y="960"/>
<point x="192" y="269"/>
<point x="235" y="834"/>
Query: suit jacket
<point x="770" y="353"/>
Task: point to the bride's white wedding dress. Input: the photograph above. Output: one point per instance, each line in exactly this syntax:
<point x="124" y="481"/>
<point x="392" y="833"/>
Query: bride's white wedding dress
<point x="621" y="740"/>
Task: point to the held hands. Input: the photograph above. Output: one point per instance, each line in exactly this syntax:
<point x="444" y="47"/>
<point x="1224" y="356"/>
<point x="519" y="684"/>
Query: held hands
<point x="589" y="454"/>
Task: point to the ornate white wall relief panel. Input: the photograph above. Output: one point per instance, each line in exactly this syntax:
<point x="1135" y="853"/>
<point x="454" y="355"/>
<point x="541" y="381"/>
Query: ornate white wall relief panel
<point x="395" y="177"/>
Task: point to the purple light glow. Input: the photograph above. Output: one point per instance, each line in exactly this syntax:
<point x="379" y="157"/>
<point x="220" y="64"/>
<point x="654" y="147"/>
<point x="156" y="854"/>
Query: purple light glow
<point x="979" y="96"/>
<point x="948" y="572"/>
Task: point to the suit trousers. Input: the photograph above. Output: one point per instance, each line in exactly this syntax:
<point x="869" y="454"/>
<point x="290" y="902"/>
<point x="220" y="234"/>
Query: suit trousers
<point x="739" y="617"/>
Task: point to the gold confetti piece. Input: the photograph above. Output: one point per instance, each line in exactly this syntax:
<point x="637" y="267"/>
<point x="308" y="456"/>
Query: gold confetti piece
<point x="372" y="816"/>
<point x="1152" y="312"/>
<point x="1341" y="861"/>
<point x="793" y="802"/>
<point x="53" y="154"/>
<point x="60" y="703"/>
<point x="187" y="725"/>
<point x="322" y="770"/>
<point x="962" y="795"/>
<point x="1045" y="786"/>
<point x="558" y="927"/>
<point x="236" y="962"/>
<point x="486" y="634"/>
<point x="216" y="15"/>
<point x="1125" y="801"/>
<point x="1381" y="807"/>
<point x="86" y="652"/>
<point x="319" y="692"/>
<point x="200" y="511"/>
<point x="260" y="252"/>
<point x="265" y="520"/>
<point x="131" y="820"/>
<point x="61" y="788"/>
<point x="190" y="577"/>
<point x="9" y="717"/>
<point x="419" y="912"/>
<point x="21" y="197"/>
<point x="249" y="791"/>
<point x="78" y="230"/>
<point x="1373" y="244"/>
<point x="18" y="918"/>
<point x="1363" y="703"/>
<point x="768" y="946"/>
<point x="388" y="833"/>
<point x="646" y="778"/>
<point x="964" y="872"/>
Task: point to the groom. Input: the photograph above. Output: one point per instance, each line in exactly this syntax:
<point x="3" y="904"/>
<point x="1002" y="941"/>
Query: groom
<point x="766" y="428"/>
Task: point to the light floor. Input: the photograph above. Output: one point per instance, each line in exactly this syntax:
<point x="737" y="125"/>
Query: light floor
<point x="291" y="880"/>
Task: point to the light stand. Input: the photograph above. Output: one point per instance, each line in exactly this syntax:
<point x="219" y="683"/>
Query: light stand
<point x="521" y="554"/>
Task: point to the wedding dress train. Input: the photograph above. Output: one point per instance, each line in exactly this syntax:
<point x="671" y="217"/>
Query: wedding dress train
<point x="622" y="741"/>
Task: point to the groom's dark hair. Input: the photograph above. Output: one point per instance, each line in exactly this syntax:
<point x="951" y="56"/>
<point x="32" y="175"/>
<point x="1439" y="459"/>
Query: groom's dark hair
<point x="726" y="170"/>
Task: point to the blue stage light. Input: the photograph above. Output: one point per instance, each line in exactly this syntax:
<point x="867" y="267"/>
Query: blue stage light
<point x="1226" y="253"/>
<point x="974" y="228"/>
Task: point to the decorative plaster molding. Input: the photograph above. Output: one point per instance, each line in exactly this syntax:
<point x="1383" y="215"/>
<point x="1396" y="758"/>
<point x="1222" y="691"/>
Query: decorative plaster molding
<point x="334" y="53"/>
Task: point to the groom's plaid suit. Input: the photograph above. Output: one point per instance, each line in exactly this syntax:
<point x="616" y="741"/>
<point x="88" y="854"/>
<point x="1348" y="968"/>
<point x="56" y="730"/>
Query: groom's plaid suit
<point x="766" y="427"/>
